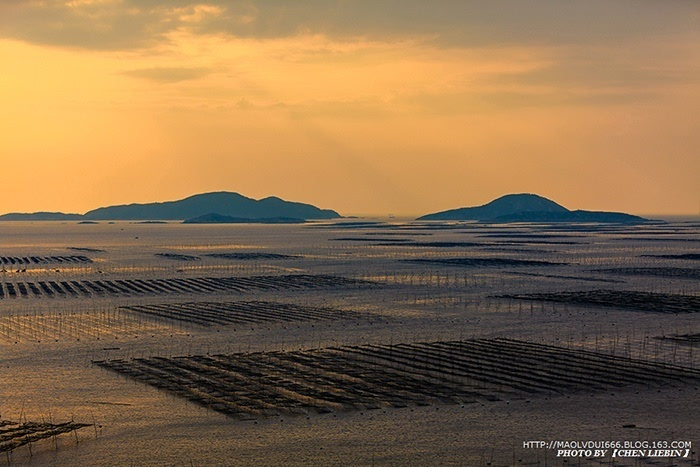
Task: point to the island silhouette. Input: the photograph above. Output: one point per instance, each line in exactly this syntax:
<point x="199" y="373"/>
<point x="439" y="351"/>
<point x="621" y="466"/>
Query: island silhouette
<point x="217" y="205"/>
<point x="528" y="207"/>
<point x="229" y="207"/>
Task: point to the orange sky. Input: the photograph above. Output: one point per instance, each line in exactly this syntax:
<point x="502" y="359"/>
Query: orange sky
<point x="365" y="107"/>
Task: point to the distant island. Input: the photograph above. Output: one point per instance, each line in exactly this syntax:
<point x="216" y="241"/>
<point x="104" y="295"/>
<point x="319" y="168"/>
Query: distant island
<point x="222" y="203"/>
<point x="41" y="216"/>
<point x="526" y="207"/>
<point x="215" y="218"/>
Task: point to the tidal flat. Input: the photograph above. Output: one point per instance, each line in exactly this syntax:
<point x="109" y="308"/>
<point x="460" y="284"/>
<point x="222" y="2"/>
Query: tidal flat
<point x="344" y="342"/>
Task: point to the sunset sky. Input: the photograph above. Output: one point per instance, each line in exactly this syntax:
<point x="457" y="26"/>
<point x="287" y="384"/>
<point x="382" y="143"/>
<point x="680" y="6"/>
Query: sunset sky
<point x="362" y="106"/>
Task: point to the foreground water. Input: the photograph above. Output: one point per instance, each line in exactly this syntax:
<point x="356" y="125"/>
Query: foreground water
<point x="60" y="313"/>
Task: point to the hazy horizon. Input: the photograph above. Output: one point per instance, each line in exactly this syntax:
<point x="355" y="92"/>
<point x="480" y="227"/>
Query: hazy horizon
<point x="382" y="107"/>
<point x="378" y="215"/>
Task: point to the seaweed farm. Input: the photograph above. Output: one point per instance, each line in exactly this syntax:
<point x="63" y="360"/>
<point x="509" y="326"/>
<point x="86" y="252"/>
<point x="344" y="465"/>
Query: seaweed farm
<point x="227" y="313"/>
<point x="87" y="288"/>
<point x="374" y="376"/>
<point x="19" y="260"/>
<point x="642" y="301"/>
<point x="14" y="434"/>
<point x="349" y="342"/>
<point x="685" y="273"/>
<point x="484" y="262"/>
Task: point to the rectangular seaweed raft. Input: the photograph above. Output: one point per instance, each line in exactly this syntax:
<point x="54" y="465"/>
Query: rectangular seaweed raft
<point x="265" y="384"/>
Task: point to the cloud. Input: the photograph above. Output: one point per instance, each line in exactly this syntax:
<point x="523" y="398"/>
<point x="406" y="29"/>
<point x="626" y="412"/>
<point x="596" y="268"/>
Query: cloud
<point x="102" y="25"/>
<point x="169" y="74"/>
<point x="124" y="24"/>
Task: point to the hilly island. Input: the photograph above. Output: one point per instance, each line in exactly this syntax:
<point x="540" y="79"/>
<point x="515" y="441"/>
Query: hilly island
<point x="218" y="205"/>
<point x="527" y="207"/>
<point x="229" y="207"/>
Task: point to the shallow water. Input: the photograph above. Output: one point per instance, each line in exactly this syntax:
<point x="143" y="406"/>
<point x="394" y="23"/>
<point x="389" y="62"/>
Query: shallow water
<point x="47" y="343"/>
